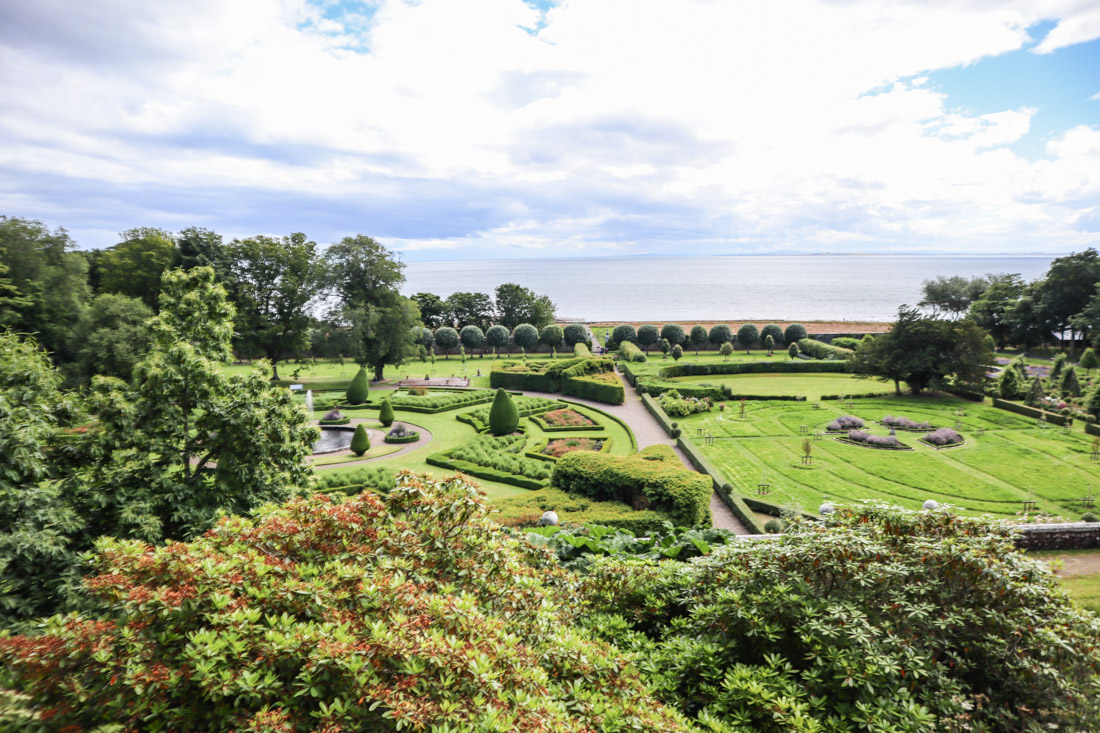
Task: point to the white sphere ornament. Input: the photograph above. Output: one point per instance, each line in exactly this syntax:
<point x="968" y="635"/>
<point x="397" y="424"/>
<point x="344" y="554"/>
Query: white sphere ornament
<point x="549" y="518"/>
<point x="826" y="508"/>
<point x="930" y="504"/>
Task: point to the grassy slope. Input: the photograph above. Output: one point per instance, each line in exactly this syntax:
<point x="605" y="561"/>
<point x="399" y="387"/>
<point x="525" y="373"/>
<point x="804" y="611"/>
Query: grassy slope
<point x="810" y="385"/>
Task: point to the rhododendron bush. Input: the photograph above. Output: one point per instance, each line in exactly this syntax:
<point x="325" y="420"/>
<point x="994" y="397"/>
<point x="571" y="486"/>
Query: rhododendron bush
<point x="369" y="614"/>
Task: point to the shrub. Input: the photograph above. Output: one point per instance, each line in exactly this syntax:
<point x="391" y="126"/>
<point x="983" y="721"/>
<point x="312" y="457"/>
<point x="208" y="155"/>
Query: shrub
<point x="769" y="344"/>
<point x="878" y="441"/>
<point x="551" y="336"/>
<point x="818" y="350"/>
<point x="673" y="333"/>
<point x="1008" y="386"/>
<point x="577" y="547"/>
<point x="629" y="352"/>
<point x="844" y="422"/>
<point x="526" y="336"/>
<point x="664" y="346"/>
<point x="794" y="333"/>
<point x="581" y="350"/>
<point x="747" y="335"/>
<point x="720" y="334"/>
<point x="1092" y="403"/>
<point x="1035" y="393"/>
<point x="677" y="352"/>
<point x="942" y="437"/>
<point x="360" y="443"/>
<point x="504" y="454"/>
<point x="503" y="417"/>
<point x="359" y="387"/>
<point x="903" y="423"/>
<point x="1057" y="366"/>
<point x="653" y="477"/>
<point x="446" y="338"/>
<point x="372" y="478"/>
<point x="622" y="334"/>
<point x="774" y="526"/>
<point x="792" y="351"/>
<point x="267" y="625"/>
<point x="600" y="387"/>
<point x="574" y="333"/>
<point x="676" y="405"/>
<point x="1089" y="517"/>
<point x="846" y="342"/>
<point x="726" y="349"/>
<point x="400" y="433"/>
<point x="385" y="413"/>
<point x="774" y="331"/>
<point x="1089" y="360"/>
<point x="1070" y="387"/>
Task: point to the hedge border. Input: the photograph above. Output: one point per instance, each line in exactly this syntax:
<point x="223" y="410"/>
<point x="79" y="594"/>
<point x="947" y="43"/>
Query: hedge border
<point x="548" y="428"/>
<point x="411" y="438"/>
<point x="609" y="416"/>
<point x="777" y="510"/>
<point x="735" y="504"/>
<point x="658" y="414"/>
<point x="828" y="366"/>
<point x="1092" y="429"/>
<point x="1035" y="412"/>
<point x="537" y="448"/>
<point x="444" y="460"/>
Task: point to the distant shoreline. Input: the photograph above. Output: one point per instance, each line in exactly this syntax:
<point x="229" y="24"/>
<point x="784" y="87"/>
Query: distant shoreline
<point x="813" y="327"/>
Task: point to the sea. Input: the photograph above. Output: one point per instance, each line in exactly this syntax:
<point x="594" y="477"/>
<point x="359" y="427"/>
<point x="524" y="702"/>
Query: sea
<point x="718" y="288"/>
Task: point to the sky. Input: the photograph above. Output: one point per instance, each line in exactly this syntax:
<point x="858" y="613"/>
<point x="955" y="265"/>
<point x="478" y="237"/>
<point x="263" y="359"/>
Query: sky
<point x="509" y="129"/>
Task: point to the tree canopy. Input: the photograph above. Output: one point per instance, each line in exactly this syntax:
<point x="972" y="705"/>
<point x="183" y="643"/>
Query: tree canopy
<point x="135" y="265"/>
<point x="516" y="304"/>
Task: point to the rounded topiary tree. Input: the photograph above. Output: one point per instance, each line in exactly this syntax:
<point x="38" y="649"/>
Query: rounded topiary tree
<point x="574" y="334"/>
<point x="794" y="332"/>
<point x="698" y="338"/>
<point x="472" y="338"/>
<point x="503" y="415"/>
<point x="664" y="346"/>
<point x="1008" y="386"/>
<point x="647" y="336"/>
<point x="423" y="337"/>
<point x="360" y="443"/>
<point x="726" y="349"/>
<point x="769" y="344"/>
<point x="446" y="338"/>
<point x="677" y="352"/>
<point x="526" y="336"/>
<point x="792" y="350"/>
<point x="385" y="413"/>
<point x="774" y="331"/>
<point x="1089" y="361"/>
<point x="357" y="391"/>
<point x="622" y="333"/>
<point x="674" y="332"/>
<point x="497" y="337"/>
<point x="720" y="334"/>
<point x="551" y="336"/>
<point x="747" y="335"/>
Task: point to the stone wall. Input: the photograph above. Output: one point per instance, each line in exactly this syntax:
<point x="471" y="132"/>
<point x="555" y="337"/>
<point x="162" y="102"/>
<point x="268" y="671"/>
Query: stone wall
<point x="1070" y="536"/>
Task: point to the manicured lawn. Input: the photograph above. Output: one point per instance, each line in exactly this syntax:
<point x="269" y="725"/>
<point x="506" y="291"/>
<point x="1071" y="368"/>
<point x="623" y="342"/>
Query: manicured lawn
<point x="811" y="386"/>
<point x="655" y="362"/>
<point x="1012" y="462"/>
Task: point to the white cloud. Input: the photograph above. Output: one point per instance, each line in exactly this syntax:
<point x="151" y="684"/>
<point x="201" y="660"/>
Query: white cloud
<point x="624" y="122"/>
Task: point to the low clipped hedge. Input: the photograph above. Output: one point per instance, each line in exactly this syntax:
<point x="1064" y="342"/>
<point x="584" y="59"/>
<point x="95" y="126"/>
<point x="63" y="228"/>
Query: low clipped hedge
<point x="317" y="385"/>
<point x="536" y="376"/>
<point x="410" y="438"/>
<point x="378" y="479"/>
<point x="715" y="393"/>
<point x="1092" y="429"/>
<point x="822" y="350"/>
<point x="658" y="414"/>
<point x="431" y="404"/>
<point x="624" y="367"/>
<point x="1051" y="417"/>
<point x="607" y="416"/>
<point x="825" y="397"/>
<point x="629" y="352"/>
<point x="527" y="508"/>
<point x="752" y="367"/>
<point x="777" y="510"/>
<point x="442" y="460"/>
<point x="653" y="475"/>
<point x="548" y="428"/>
<point x="604" y="388"/>
<point x="537" y="449"/>
<point x="581" y="350"/>
<point x="341" y="421"/>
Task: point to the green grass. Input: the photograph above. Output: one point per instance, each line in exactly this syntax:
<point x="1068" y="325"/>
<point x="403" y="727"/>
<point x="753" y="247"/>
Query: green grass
<point x="1012" y="462"/>
<point x="1085" y="588"/>
<point x="655" y="362"/>
<point x="812" y="386"/>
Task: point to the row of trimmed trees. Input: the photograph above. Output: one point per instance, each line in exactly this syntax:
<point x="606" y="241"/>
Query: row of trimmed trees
<point x="525" y="337"/>
<point x="698" y="337"/>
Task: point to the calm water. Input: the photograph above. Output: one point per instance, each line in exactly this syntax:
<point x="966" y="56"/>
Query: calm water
<point x="796" y="287"/>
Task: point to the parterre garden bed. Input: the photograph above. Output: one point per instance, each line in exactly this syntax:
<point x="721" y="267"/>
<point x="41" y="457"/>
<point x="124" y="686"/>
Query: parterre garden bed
<point x="1011" y="462"/>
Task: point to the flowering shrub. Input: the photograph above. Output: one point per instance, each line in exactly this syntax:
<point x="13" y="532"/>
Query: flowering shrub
<point x="942" y="437"/>
<point x="877" y="441"/>
<point x="560" y="446"/>
<point x="410" y="612"/>
<point x="677" y="406"/>
<point x="877" y="619"/>
<point x="844" y="422"/>
<point x="903" y="423"/>
<point x="567" y="417"/>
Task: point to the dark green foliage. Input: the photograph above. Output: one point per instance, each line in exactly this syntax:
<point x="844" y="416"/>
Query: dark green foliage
<point x="622" y="333"/>
<point x="753" y="367"/>
<point x="918" y="620"/>
<point x="664" y="346"/>
<point x="1035" y="393"/>
<point x="1089" y="517"/>
<point x="1070" y="387"/>
<point x="368" y="478"/>
<point x="526" y="336"/>
<point x="385" y="413"/>
<point x="516" y="304"/>
<point x="774" y="526"/>
<point x="359" y="388"/>
<point x="134" y="266"/>
<point x="574" y="333"/>
<point x="652" y="477"/>
<point x="677" y="352"/>
<point x="551" y="336"/>
<point x="360" y="443"/>
<point x="1051" y="417"/>
<point x="432" y="309"/>
<point x="110" y="338"/>
<point x="1056" y="367"/>
<point x="422" y="337"/>
<point x="576" y="548"/>
<point x="769" y="343"/>
<point x="472" y="337"/>
<point x="698" y="338"/>
<point x="1092" y="402"/>
<point x="821" y="350"/>
<point x="951" y="296"/>
<point x="794" y="333"/>
<point x="593" y="380"/>
<point x="497" y="337"/>
<point x="1008" y="385"/>
<point x="774" y="331"/>
<point x="446" y="338"/>
<point x="846" y="342"/>
<point x="503" y="417"/>
<point x="673" y="333"/>
<point x="720" y="334"/>
<point x="1089" y="361"/>
<point x="469" y="309"/>
<point x="647" y="336"/>
<point x="747" y="335"/>
<point x="792" y="350"/>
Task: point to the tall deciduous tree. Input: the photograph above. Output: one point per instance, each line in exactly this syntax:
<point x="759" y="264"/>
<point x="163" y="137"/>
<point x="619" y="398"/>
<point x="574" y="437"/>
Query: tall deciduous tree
<point x="187" y="442"/>
<point x="922" y="351"/>
<point x="198" y="247"/>
<point x="469" y="309"/>
<point x="991" y="310"/>
<point x="516" y="304"/>
<point x="135" y="265"/>
<point x="949" y="297"/>
<point x="698" y="338"/>
<point x="1070" y="283"/>
<point x="47" y="280"/>
<point x="433" y="311"/>
<point x="277" y="282"/>
<point x="647" y="336"/>
<point x="111" y="337"/>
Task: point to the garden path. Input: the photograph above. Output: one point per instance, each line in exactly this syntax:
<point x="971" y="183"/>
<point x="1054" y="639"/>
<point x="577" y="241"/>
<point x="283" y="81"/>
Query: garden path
<point x="648" y="432"/>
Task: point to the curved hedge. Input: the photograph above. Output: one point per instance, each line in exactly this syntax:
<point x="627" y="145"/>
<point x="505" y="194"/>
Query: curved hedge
<point x="821" y="350"/>
<point x="581" y="350"/>
<point x="652" y="477"/>
<point x="410" y="438"/>
<point x="752" y="367"/>
<point x="629" y="352"/>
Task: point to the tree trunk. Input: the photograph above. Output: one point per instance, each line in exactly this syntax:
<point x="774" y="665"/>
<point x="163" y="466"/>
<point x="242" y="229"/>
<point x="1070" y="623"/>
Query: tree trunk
<point x="274" y="371"/>
<point x="897" y="387"/>
<point x="378" y="369"/>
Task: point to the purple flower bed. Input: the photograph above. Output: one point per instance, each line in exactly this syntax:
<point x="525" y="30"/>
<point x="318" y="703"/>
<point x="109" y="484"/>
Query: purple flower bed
<point x="943" y="437"/>
<point x="904" y="423"/>
<point x="844" y="422"/>
<point x="878" y="441"/>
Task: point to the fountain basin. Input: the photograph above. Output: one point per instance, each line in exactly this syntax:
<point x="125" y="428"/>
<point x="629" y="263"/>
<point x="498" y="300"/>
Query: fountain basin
<point x="333" y="439"/>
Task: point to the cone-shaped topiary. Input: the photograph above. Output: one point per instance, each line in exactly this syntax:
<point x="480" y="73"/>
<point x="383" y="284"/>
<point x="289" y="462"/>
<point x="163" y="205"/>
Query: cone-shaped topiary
<point x="385" y="414"/>
<point x="1070" y="386"/>
<point x="503" y="417"/>
<point x="1009" y="384"/>
<point x="1035" y="393"/>
<point x="359" y="387"/>
<point x="360" y="443"/>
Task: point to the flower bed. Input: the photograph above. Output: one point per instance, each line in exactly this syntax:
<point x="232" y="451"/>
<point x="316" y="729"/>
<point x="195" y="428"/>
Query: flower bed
<point x="844" y="423"/>
<point x="900" y="422"/>
<point x="677" y="406"/>
<point x="942" y="438"/>
<point x="401" y="434"/>
<point x="567" y="416"/>
<point x="558" y="447"/>
<point x="884" y="442"/>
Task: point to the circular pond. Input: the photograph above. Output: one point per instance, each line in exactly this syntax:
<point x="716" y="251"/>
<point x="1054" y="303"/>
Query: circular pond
<point x="333" y="439"/>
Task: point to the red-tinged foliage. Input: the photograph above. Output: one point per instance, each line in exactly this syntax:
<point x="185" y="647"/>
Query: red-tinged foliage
<point x="364" y="614"/>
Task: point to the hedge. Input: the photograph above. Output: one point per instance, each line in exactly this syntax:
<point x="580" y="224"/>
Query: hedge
<point x="821" y="350"/>
<point x="581" y="350"/>
<point x="625" y="369"/>
<point x="1092" y="429"/>
<point x="604" y="387"/>
<point x="716" y="393"/>
<point x="578" y="509"/>
<point x="630" y="352"/>
<point x="752" y="367"/>
<point x="733" y="502"/>
<point x="1051" y="417"/>
<point x="327" y="385"/>
<point x="777" y="510"/>
<point x="341" y="421"/>
<point x="825" y="397"/>
<point x="410" y="438"/>
<point x="531" y="377"/>
<point x="608" y="416"/>
<point x="442" y="460"/>
<point x="654" y="475"/>
<point x="658" y="414"/>
<point x="537" y="449"/>
<point x="548" y="428"/>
